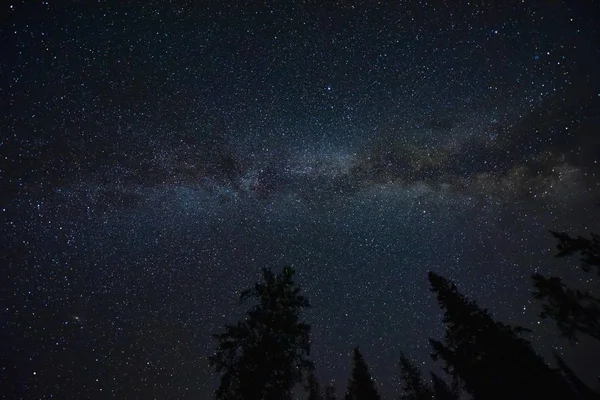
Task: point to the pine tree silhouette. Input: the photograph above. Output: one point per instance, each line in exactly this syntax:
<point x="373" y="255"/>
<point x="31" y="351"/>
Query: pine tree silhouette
<point x="442" y="391"/>
<point x="583" y="391"/>
<point x="361" y="385"/>
<point x="263" y="356"/>
<point x="414" y="386"/>
<point x="488" y="358"/>
<point x="313" y="388"/>
<point x="588" y="248"/>
<point x="575" y="312"/>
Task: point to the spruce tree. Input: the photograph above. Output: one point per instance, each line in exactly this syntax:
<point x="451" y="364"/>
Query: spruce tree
<point x="263" y="356"/>
<point x="313" y="388"/>
<point x="582" y="390"/>
<point x="414" y="386"/>
<point x="361" y="385"/>
<point x="443" y="391"/>
<point x="589" y="249"/>
<point x="575" y="312"/>
<point x="487" y="357"/>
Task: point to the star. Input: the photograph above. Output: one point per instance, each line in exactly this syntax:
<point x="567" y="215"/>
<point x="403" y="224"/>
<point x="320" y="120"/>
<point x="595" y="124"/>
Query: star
<point x="155" y="159"/>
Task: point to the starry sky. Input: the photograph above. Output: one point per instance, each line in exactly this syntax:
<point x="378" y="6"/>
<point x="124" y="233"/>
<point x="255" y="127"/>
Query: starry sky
<point x="154" y="156"/>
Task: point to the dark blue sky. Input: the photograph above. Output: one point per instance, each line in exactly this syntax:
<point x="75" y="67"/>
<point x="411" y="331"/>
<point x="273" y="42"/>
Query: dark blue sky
<point x="155" y="157"/>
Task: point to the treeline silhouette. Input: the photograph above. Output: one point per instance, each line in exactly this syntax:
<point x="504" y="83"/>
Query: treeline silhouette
<point x="265" y="355"/>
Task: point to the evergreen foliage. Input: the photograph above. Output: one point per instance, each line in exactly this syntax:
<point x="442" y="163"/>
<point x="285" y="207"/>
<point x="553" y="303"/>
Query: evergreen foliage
<point x="313" y="388"/>
<point x="414" y="386"/>
<point x="588" y="248"/>
<point x="487" y="357"/>
<point x="361" y="385"/>
<point x="263" y="356"/>
<point x="442" y="391"/>
<point x="574" y="311"/>
<point x="582" y="390"/>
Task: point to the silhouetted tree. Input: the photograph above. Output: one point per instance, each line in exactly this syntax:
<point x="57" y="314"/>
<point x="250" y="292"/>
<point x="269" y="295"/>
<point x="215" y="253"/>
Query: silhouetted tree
<point x="487" y="357"/>
<point x="414" y="386"/>
<point x="263" y="356"/>
<point x="313" y="388"/>
<point x="588" y="248"/>
<point x="574" y="311"/>
<point x="330" y="392"/>
<point x="442" y="391"/>
<point x="361" y="385"/>
<point x="582" y="390"/>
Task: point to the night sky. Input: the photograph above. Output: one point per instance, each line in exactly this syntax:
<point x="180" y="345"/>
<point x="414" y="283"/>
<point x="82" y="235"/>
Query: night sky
<point x="155" y="156"/>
